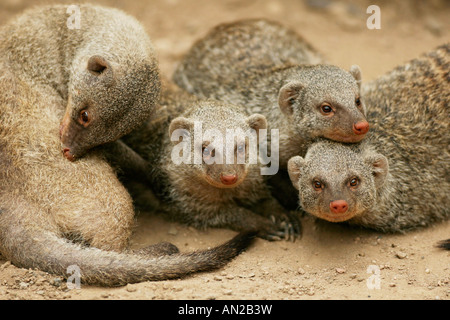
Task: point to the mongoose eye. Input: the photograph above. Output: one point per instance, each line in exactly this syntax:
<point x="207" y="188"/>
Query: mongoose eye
<point x="207" y="153"/>
<point x="291" y="101"/>
<point x="326" y="109"/>
<point x="84" y="117"/>
<point x="354" y="182"/>
<point x="358" y="102"/>
<point x="317" y="185"/>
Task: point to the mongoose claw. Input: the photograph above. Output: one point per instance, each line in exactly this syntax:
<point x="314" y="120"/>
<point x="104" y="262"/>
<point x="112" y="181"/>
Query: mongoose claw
<point x="291" y="226"/>
<point x="274" y="220"/>
<point x="290" y="233"/>
<point x="272" y="238"/>
<point x="287" y="227"/>
<point x="296" y="226"/>
<point x="271" y="234"/>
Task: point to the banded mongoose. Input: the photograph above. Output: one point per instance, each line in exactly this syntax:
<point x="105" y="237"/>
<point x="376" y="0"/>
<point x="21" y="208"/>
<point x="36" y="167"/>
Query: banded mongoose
<point x="303" y="100"/>
<point x="55" y="213"/>
<point x="214" y="191"/>
<point x="103" y="66"/>
<point x="397" y="179"/>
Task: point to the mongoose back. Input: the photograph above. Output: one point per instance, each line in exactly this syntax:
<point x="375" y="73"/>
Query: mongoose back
<point x="55" y="213"/>
<point x="104" y="68"/>
<point x="397" y="179"/>
<point x="216" y="189"/>
<point x="231" y="52"/>
<point x="303" y="100"/>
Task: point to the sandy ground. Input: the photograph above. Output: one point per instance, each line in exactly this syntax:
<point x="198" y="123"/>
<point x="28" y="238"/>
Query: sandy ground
<point x="330" y="261"/>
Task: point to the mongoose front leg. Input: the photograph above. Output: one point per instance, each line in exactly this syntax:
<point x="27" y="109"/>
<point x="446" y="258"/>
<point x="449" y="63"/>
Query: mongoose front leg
<point x="127" y="161"/>
<point x="240" y="219"/>
<point x="232" y="217"/>
<point x="444" y="244"/>
<point x="272" y="209"/>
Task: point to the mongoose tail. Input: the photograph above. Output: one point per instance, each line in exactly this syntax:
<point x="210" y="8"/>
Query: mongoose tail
<point x="45" y="250"/>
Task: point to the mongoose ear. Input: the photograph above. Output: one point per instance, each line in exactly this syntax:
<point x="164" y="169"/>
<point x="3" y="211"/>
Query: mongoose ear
<point x="101" y="68"/>
<point x="380" y="168"/>
<point x="294" y="169"/>
<point x="288" y="94"/>
<point x="355" y="71"/>
<point x="98" y="65"/>
<point x="257" y="121"/>
<point x="181" y="123"/>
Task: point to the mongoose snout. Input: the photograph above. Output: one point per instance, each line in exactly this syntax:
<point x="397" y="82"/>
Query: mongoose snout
<point x="69" y="156"/>
<point x="338" y="206"/>
<point x="228" y="179"/>
<point x="361" y="127"/>
<point x="225" y="176"/>
<point x="68" y="134"/>
<point x="63" y="135"/>
<point x="222" y="175"/>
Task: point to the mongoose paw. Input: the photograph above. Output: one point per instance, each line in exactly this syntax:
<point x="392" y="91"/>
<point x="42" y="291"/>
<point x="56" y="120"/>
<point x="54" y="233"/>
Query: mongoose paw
<point x="282" y="227"/>
<point x="444" y="244"/>
<point x="294" y="219"/>
<point x="290" y="224"/>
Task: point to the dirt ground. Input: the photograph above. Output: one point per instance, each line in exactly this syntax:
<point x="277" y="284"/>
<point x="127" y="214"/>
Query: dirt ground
<point x="331" y="261"/>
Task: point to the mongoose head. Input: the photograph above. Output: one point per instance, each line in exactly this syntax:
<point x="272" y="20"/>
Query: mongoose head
<point x="222" y="137"/>
<point x="106" y="101"/>
<point x="337" y="182"/>
<point x="324" y="101"/>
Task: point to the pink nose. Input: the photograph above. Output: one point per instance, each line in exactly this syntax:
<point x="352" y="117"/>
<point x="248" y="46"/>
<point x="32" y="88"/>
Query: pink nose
<point x="361" y="127"/>
<point x="68" y="155"/>
<point x="338" y="206"/>
<point x="228" y="179"/>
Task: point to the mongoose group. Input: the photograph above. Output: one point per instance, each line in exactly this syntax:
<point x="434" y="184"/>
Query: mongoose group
<point x="300" y="98"/>
<point x="71" y="94"/>
<point x="397" y="179"/>
<point x="384" y="178"/>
